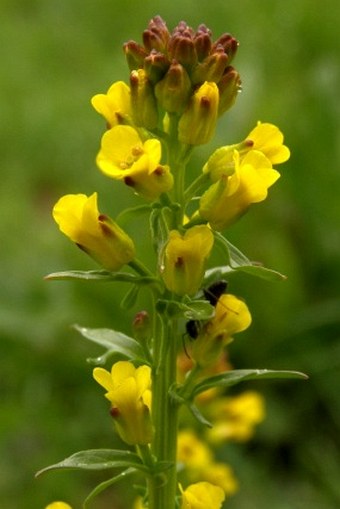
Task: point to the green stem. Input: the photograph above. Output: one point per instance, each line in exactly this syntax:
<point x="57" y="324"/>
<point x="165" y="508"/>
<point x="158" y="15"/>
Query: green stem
<point x="162" y="489"/>
<point x="196" y="185"/>
<point x="140" y="268"/>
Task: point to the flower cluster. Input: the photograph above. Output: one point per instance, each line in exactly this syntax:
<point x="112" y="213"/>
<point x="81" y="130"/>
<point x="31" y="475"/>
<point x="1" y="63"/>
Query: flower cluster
<point x="180" y="84"/>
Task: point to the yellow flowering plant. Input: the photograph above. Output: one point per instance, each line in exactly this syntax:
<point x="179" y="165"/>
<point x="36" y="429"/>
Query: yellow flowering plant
<point x="180" y="84"/>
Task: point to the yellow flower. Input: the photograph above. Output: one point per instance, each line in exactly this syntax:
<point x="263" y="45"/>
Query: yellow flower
<point x="78" y="217"/>
<point x="230" y="197"/>
<point x="198" y="122"/>
<point x="129" y="391"/>
<point x="221" y="475"/>
<point x="197" y="460"/>
<point x="58" y="505"/>
<point x="265" y="138"/>
<point x="231" y="316"/>
<point x="115" y="104"/>
<point x="236" y="417"/>
<point x="124" y="156"/>
<point x="184" y="257"/>
<point x="192" y="452"/>
<point x="202" y="495"/>
<point x="268" y="139"/>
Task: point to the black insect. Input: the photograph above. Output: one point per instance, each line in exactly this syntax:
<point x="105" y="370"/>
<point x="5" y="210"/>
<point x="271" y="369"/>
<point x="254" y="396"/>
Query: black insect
<point x="211" y="294"/>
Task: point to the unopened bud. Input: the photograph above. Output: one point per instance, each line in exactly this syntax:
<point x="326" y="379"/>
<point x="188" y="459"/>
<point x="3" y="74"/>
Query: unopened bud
<point x="156" y="36"/>
<point x="211" y="69"/>
<point x="202" y="41"/>
<point x="155" y="65"/>
<point x="135" y="54"/>
<point x="174" y="90"/>
<point x="141" y="326"/>
<point x="229" y="86"/>
<point x="229" y="45"/>
<point x="181" y="46"/>
<point x="198" y="122"/>
<point x="143" y="101"/>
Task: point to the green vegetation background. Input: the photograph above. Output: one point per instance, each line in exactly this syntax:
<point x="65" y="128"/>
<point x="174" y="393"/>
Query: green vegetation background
<point x="54" y="56"/>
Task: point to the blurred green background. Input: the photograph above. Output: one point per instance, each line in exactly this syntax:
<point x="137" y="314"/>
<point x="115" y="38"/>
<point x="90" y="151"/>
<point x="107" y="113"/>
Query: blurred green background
<point x="54" y="56"/>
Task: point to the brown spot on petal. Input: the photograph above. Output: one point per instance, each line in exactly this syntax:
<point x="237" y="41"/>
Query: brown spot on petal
<point x="129" y="181"/>
<point x="114" y="412"/>
<point x="159" y="171"/>
<point x="205" y="102"/>
<point x="179" y="262"/>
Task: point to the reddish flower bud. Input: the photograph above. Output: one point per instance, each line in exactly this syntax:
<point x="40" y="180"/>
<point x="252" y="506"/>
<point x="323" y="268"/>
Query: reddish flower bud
<point x="174" y="91"/>
<point x="202" y="41"/>
<point x="228" y="86"/>
<point x="156" y="65"/>
<point x="228" y="43"/>
<point x="211" y="69"/>
<point x="156" y="36"/>
<point x="135" y="54"/>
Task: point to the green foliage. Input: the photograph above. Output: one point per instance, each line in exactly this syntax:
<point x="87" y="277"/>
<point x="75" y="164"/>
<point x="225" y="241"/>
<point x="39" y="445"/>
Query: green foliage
<point x="117" y="344"/>
<point x="98" y="459"/>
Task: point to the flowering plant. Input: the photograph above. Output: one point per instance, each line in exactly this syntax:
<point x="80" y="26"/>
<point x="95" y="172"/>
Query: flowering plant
<point x="180" y="85"/>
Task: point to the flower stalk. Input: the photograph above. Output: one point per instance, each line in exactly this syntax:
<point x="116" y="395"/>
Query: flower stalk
<point x="181" y="82"/>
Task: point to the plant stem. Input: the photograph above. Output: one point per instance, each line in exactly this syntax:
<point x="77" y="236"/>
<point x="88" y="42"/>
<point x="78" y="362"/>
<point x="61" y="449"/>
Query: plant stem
<point x="162" y="489"/>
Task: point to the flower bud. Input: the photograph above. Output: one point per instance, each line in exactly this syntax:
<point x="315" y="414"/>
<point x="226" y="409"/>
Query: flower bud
<point x="184" y="257"/>
<point x="156" y="36"/>
<point x="135" y="54"/>
<point x="142" y="326"/>
<point x="211" y="69"/>
<point x="228" y="86"/>
<point x="143" y="101"/>
<point x="202" y="42"/>
<point x="229" y="45"/>
<point x="77" y="217"/>
<point x="156" y="65"/>
<point x="174" y="90"/>
<point x="198" y="122"/>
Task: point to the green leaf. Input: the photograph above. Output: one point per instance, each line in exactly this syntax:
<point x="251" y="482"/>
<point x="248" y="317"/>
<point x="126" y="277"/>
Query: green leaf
<point x="237" y="261"/>
<point x="98" y="459"/>
<point x="115" y="342"/>
<point x="191" y="310"/>
<point x="106" y="484"/>
<point x="100" y="275"/>
<point x="197" y="414"/>
<point x="229" y="378"/>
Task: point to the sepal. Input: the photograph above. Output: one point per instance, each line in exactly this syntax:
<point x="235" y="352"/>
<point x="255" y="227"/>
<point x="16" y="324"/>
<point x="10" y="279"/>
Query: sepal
<point x="117" y="345"/>
<point x="190" y="310"/>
